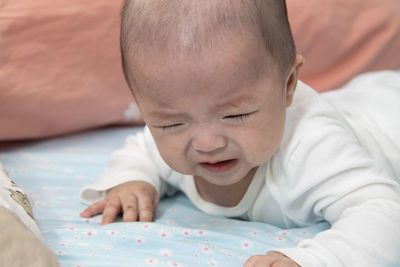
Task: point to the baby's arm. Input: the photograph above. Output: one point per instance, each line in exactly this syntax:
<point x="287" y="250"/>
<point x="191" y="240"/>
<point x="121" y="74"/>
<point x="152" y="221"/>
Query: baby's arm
<point x="137" y="200"/>
<point x="365" y="235"/>
<point x="340" y="183"/>
<point x="131" y="184"/>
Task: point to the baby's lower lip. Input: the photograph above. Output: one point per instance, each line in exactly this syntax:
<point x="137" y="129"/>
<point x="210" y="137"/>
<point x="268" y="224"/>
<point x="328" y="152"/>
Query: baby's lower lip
<point x="220" y="166"/>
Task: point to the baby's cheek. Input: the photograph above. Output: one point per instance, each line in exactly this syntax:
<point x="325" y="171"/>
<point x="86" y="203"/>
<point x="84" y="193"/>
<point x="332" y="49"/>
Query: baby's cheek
<point x="168" y="149"/>
<point x="176" y="160"/>
<point x="174" y="149"/>
<point x="261" y="152"/>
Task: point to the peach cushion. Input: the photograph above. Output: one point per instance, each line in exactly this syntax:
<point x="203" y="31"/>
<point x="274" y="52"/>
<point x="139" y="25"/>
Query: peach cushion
<point x="60" y="67"/>
<point x="342" y="38"/>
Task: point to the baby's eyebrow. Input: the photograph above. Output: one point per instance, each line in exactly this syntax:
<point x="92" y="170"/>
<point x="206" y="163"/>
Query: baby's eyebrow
<point x="237" y="102"/>
<point x="165" y="114"/>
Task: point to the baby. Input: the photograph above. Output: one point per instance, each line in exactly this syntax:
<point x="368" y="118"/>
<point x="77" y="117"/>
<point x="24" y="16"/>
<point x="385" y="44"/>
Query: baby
<point x="229" y="124"/>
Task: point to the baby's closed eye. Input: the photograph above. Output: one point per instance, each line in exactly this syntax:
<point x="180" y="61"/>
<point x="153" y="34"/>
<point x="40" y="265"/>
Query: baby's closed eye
<point x="171" y="126"/>
<point x="239" y="117"/>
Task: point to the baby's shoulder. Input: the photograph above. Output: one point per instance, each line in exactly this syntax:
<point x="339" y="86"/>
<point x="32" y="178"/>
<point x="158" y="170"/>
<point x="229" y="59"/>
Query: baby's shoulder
<point x="311" y="120"/>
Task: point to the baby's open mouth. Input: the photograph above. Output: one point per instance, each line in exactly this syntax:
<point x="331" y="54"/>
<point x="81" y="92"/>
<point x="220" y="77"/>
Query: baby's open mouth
<point x="219" y="166"/>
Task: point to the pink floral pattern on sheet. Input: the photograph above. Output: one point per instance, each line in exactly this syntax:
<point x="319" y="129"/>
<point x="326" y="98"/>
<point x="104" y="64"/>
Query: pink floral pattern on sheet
<point x="54" y="170"/>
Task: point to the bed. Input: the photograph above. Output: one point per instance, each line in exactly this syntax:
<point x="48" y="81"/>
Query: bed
<point x="85" y="88"/>
<point x="53" y="171"/>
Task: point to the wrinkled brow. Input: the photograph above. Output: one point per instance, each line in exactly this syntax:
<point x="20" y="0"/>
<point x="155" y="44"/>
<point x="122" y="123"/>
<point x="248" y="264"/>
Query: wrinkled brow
<point x="237" y="102"/>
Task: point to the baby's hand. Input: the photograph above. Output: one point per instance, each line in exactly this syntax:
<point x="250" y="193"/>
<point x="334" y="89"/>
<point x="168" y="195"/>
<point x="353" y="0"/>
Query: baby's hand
<point x="275" y="259"/>
<point x="137" y="201"/>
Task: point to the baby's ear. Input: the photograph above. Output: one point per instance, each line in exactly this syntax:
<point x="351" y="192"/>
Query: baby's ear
<point x="291" y="81"/>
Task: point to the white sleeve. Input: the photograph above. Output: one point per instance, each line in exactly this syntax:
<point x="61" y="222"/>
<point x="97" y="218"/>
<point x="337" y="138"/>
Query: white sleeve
<point x="330" y="177"/>
<point x="137" y="160"/>
<point x="365" y="235"/>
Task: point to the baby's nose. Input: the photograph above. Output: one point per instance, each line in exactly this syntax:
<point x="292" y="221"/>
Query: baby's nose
<point x="208" y="141"/>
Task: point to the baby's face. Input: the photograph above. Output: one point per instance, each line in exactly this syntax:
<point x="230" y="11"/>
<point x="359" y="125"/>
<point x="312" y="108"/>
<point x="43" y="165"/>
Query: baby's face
<point x="217" y="115"/>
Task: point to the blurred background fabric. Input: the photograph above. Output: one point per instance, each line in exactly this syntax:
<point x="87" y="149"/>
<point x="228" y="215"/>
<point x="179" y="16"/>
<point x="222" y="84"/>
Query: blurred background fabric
<point x="60" y="66"/>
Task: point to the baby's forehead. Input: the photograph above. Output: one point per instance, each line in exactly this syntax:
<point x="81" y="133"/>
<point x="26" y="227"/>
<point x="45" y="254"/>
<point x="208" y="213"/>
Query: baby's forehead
<point x="231" y="63"/>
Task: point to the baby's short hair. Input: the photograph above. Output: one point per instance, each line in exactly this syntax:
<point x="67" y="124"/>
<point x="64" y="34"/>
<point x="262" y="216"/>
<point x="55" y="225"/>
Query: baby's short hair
<point x="177" y="26"/>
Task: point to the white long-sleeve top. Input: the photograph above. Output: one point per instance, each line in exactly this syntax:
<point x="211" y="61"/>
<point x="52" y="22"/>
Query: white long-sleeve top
<point x="339" y="161"/>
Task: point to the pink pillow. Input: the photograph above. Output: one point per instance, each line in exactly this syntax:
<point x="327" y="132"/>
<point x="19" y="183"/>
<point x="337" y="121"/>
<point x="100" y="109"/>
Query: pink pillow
<point x="60" y="68"/>
<point x="342" y="38"/>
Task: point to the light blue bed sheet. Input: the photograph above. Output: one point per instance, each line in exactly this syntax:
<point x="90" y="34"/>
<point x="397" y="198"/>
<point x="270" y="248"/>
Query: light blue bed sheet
<point x="53" y="171"/>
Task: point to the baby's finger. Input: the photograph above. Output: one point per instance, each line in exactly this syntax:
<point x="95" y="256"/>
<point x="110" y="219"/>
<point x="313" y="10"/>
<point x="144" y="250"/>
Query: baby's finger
<point x="129" y="207"/>
<point x="93" y="209"/>
<point x="111" y="210"/>
<point x="155" y="202"/>
<point x="284" y="264"/>
<point x="263" y="260"/>
<point x="258" y="260"/>
<point x="146" y="208"/>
